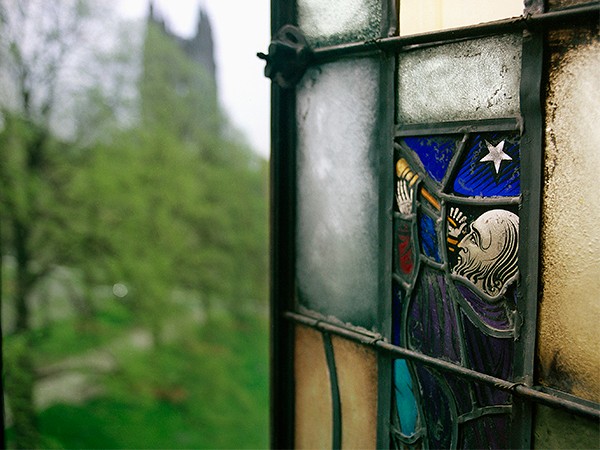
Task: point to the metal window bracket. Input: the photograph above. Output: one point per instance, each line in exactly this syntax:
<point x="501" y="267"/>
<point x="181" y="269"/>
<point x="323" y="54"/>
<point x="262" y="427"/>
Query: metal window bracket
<point x="289" y="56"/>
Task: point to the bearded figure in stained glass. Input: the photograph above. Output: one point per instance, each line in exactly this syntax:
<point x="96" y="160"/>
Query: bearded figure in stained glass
<point x="487" y="255"/>
<point x="460" y="303"/>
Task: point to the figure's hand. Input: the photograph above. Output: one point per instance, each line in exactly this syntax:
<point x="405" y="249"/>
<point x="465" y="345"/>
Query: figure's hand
<point x="404" y="196"/>
<point x="457" y="221"/>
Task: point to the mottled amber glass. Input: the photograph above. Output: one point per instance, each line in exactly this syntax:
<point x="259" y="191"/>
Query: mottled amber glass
<point x="569" y="314"/>
<point x="313" y="414"/>
<point x="356" y="368"/>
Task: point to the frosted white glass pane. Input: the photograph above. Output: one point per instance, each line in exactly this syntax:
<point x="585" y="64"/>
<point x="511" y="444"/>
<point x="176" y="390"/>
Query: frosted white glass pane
<point x="477" y="79"/>
<point x="569" y="314"/>
<point x="337" y="223"/>
<point x="331" y="22"/>
<point x="420" y="16"/>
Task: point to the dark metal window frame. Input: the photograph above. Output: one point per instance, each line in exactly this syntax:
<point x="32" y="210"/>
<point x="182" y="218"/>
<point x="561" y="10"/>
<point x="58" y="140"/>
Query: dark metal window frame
<point x="284" y="314"/>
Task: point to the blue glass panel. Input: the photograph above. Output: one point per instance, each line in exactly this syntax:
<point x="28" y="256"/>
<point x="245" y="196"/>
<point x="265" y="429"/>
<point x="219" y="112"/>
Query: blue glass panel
<point x="397" y="300"/>
<point x="406" y="405"/>
<point x="491" y="167"/>
<point x="429" y="237"/>
<point x="435" y="153"/>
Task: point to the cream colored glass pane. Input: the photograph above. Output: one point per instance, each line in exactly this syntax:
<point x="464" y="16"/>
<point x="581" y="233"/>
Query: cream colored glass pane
<point x="420" y="16"/>
<point x="356" y="368"/>
<point x="313" y="414"/>
<point x="559" y="429"/>
<point x="569" y="315"/>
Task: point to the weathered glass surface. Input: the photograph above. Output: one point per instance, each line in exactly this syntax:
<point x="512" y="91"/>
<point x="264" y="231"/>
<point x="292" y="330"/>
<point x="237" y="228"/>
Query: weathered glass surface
<point x="327" y="23"/>
<point x="433" y="153"/>
<point x="476" y="79"/>
<point x="429" y="237"/>
<point x="404" y="400"/>
<point x="559" y="429"/>
<point x="313" y="413"/>
<point x="569" y="312"/>
<point x="356" y="368"/>
<point x="337" y="212"/>
<point x="490" y="167"/>
<point x="454" y="298"/>
<point x="406" y="404"/>
<point x="558" y="4"/>
<point x="418" y="16"/>
<point x="486" y="432"/>
<point x="405" y="255"/>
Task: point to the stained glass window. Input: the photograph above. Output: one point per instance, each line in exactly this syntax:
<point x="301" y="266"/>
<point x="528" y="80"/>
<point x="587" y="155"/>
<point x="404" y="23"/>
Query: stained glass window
<point x="409" y="212"/>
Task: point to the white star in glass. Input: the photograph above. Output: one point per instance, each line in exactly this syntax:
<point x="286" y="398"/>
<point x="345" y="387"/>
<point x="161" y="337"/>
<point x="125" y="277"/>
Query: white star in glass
<point x="496" y="155"/>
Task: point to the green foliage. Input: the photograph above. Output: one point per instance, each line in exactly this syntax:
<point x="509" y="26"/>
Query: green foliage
<point x="174" y="213"/>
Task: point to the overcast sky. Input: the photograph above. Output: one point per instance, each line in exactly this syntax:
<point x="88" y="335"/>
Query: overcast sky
<point x="240" y="30"/>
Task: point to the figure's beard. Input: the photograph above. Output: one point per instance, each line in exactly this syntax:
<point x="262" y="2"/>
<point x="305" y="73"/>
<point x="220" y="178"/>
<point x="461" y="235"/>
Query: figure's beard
<point x="478" y="273"/>
<point x="474" y="270"/>
<point x="468" y="267"/>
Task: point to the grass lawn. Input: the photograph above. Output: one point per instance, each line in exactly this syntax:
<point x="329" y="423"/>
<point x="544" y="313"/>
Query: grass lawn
<point x="206" y="389"/>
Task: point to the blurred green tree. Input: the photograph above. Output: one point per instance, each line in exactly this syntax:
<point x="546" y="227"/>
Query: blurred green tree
<point x="157" y="200"/>
<point x="36" y="44"/>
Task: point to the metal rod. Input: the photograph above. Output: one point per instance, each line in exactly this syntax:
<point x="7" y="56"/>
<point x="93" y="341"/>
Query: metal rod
<point x="477" y="200"/>
<point x="479" y="126"/>
<point x="532" y="145"/>
<point x="376" y="341"/>
<point x="588" y="12"/>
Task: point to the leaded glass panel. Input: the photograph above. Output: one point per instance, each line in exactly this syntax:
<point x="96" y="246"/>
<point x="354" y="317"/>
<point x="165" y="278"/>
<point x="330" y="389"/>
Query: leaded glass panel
<point x="490" y="167"/>
<point x="338" y="197"/>
<point x="569" y="353"/>
<point x="463" y="316"/>
<point x="314" y="410"/>
<point x="559" y="429"/>
<point x="434" y="154"/>
<point x="458" y="300"/>
<point x="418" y="16"/>
<point x="356" y="368"/>
<point x="558" y="4"/>
<point x="327" y="23"/>
<point x="474" y="79"/>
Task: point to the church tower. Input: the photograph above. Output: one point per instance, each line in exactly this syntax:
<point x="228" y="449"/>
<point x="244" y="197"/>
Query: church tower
<point x="199" y="48"/>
